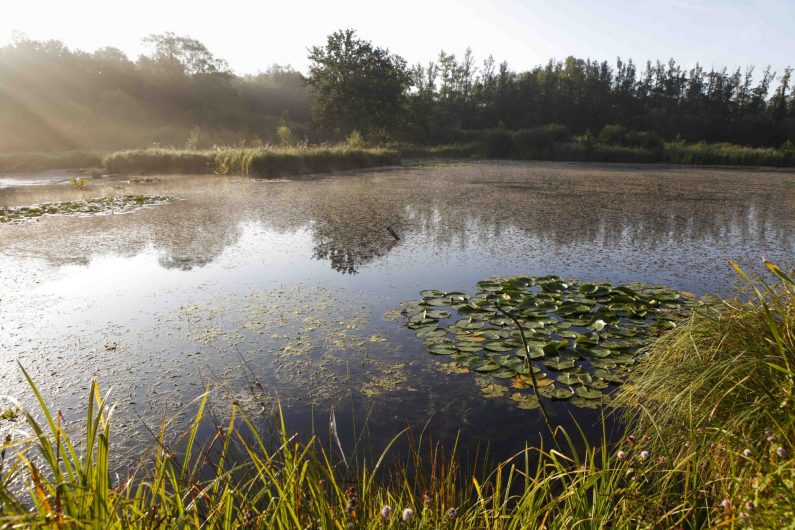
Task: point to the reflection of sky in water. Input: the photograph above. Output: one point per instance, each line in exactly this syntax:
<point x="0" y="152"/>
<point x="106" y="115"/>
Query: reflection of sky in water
<point x="291" y="279"/>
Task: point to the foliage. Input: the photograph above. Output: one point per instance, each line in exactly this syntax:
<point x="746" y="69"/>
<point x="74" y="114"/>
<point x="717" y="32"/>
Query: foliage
<point x="79" y="182"/>
<point x="284" y="133"/>
<point x="722" y="388"/>
<point x="113" y="102"/>
<point x="255" y="162"/>
<point x="640" y="147"/>
<point x="558" y="338"/>
<point x="354" y="140"/>
<point x="96" y="205"/>
<point x="356" y="85"/>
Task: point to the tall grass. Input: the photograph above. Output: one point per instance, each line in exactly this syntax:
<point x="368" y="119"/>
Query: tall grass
<point x="255" y="162"/>
<point x="533" y="144"/>
<point x="710" y="445"/>
<point x="722" y="389"/>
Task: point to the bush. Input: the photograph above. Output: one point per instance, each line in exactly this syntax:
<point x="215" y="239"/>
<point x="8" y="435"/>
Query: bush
<point x="495" y="143"/>
<point x="355" y="140"/>
<point x="284" y="133"/>
<point x="560" y="133"/>
<point x="533" y="143"/>
<point x="644" y="140"/>
<point x="613" y="135"/>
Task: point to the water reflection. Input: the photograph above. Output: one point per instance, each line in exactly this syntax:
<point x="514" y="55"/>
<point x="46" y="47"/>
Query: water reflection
<point x="453" y="210"/>
<point x="288" y="280"/>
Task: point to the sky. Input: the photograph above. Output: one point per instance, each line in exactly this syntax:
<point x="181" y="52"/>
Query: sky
<point x="254" y="35"/>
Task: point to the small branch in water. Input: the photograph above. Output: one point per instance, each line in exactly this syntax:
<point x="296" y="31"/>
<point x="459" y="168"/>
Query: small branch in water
<point x="529" y="366"/>
<point x="332" y="421"/>
<point x="392" y="233"/>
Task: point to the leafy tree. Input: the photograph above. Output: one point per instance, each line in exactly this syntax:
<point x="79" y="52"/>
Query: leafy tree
<point x="185" y="54"/>
<point x="356" y="85"/>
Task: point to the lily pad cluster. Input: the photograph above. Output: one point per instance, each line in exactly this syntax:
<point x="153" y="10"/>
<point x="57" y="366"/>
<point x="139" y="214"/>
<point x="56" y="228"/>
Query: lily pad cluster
<point x="98" y="205"/>
<point x="579" y="338"/>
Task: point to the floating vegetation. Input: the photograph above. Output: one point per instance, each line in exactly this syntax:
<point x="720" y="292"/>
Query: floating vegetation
<point x="97" y="205"/>
<point x="579" y="339"/>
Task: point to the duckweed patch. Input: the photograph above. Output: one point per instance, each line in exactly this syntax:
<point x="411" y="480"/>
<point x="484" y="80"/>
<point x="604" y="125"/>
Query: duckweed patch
<point x="97" y="205"/>
<point x="580" y="339"/>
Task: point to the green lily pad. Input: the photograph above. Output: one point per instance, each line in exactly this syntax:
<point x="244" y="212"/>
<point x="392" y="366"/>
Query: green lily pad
<point x="587" y="393"/>
<point x="525" y="401"/>
<point x="564" y="321"/>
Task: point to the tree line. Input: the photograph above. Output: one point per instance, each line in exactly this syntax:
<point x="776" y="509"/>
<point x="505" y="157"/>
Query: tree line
<point x="52" y="97"/>
<point x="179" y="93"/>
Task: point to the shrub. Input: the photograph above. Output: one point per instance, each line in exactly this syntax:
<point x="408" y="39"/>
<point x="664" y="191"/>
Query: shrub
<point x="495" y="143"/>
<point x="613" y="135"/>
<point x="355" y="140"/>
<point x="533" y="143"/>
<point x="644" y="139"/>
<point x="560" y="133"/>
<point x="284" y="133"/>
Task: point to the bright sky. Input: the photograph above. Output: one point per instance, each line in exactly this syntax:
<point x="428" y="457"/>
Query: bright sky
<point x="253" y="35"/>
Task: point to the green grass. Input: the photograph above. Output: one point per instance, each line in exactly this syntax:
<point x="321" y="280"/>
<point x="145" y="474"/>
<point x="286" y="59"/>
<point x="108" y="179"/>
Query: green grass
<point x="255" y="162"/>
<point x="577" y="151"/>
<point x="714" y="387"/>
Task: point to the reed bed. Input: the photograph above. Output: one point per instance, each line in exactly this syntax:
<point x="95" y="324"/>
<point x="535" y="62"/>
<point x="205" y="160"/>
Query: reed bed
<point x="255" y="162"/>
<point x="509" y="146"/>
<point x="710" y="443"/>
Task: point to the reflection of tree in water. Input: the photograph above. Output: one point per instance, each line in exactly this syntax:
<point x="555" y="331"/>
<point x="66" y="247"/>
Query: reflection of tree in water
<point x="509" y="210"/>
<point x="350" y="225"/>
<point x="197" y="239"/>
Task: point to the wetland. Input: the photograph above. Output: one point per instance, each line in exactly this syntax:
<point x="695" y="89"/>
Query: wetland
<point x="314" y="292"/>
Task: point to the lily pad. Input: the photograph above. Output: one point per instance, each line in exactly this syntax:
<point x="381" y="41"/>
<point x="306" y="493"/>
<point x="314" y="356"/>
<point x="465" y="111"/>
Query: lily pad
<point x="586" y="334"/>
<point x="587" y="393"/>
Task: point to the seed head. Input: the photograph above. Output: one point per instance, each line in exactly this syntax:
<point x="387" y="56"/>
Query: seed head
<point x="408" y="513"/>
<point x="621" y="455"/>
<point x="726" y="504"/>
<point x="644" y="455"/>
<point x="386" y="511"/>
<point x="747" y="453"/>
<point x="452" y="513"/>
<point x="781" y="452"/>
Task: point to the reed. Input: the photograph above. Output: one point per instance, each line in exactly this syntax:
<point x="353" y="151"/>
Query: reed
<point x="255" y="162"/>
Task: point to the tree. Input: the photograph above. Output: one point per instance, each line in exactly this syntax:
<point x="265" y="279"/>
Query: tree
<point x="184" y="54"/>
<point x="356" y="85"/>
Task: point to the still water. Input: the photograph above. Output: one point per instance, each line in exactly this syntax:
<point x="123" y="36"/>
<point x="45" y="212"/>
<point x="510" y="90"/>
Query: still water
<point x="288" y="289"/>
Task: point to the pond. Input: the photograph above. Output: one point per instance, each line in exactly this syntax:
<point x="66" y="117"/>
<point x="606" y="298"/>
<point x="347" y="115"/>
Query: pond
<point x="290" y="290"/>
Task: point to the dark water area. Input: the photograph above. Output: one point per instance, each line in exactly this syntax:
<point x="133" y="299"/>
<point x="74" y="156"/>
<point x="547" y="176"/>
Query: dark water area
<point x="288" y="290"/>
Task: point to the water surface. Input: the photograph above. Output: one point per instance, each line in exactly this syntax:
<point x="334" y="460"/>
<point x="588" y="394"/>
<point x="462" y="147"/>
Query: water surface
<point x="287" y="289"/>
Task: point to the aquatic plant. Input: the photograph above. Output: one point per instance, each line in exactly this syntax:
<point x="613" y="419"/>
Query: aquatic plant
<point x="565" y="339"/>
<point x="94" y="206"/>
<point x="79" y="182"/>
